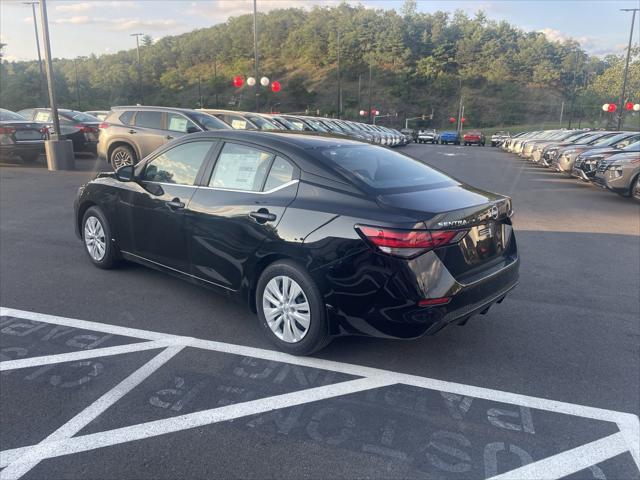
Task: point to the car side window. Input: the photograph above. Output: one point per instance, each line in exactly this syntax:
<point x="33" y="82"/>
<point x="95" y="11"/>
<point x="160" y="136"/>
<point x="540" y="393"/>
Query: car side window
<point x="180" y="123"/>
<point x="627" y="141"/>
<point x="149" y="119"/>
<point x="281" y="172"/>
<point x="240" y="168"/>
<point x="179" y="165"/>
<point x="126" y="117"/>
<point x="238" y="123"/>
<point x="43" y="116"/>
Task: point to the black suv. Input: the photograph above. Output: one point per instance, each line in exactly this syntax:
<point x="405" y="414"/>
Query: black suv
<point x="129" y="134"/>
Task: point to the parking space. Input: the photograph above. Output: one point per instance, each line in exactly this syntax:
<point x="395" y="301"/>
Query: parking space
<point x="217" y="397"/>
<point x="133" y="374"/>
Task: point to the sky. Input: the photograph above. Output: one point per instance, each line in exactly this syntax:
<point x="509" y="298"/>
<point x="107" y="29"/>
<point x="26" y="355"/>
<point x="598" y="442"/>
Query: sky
<point x="83" y="27"/>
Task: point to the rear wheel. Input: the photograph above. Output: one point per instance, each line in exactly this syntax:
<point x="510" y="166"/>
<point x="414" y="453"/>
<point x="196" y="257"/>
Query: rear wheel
<point x="122" y="155"/>
<point x="635" y="188"/>
<point x="291" y="310"/>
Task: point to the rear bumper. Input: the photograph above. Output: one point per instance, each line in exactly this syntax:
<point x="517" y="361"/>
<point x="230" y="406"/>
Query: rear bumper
<point x="18" y="148"/>
<point x="381" y="304"/>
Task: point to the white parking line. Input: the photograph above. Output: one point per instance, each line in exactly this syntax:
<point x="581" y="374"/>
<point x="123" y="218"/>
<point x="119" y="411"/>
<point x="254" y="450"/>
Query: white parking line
<point x="79" y="355"/>
<point x="566" y="463"/>
<point x="33" y="456"/>
<point x="16" y="460"/>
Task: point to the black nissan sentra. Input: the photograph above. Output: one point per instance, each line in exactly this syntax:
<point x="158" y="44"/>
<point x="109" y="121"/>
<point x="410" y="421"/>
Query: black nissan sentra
<point x="320" y="236"/>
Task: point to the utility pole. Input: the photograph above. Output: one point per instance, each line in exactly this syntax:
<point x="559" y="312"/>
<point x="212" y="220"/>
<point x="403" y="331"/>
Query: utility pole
<point x="460" y="106"/>
<point x="359" y="87"/>
<point x="369" y="109"/>
<point x="339" y="81"/>
<point x="561" y="112"/>
<point x="573" y="89"/>
<point x="59" y="150"/>
<point x="626" y="66"/>
<point x="75" y="67"/>
<point x="255" y="53"/>
<point x="140" y="93"/>
<point x="35" y="28"/>
<point x="215" y="77"/>
<point x="200" y="91"/>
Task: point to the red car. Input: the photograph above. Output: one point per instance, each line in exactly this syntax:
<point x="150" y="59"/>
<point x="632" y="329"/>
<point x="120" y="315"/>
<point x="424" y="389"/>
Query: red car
<point x="474" y="137"/>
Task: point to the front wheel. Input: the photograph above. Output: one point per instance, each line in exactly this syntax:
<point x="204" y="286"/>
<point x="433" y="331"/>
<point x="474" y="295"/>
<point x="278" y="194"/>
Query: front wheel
<point x="635" y="188"/>
<point x="291" y="310"/>
<point x="96" y="236"/>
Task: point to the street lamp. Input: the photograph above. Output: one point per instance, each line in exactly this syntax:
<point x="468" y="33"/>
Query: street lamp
<point x="626" y="66"/>
<point x="140" y="93"/>
<point x="35" y="28"/>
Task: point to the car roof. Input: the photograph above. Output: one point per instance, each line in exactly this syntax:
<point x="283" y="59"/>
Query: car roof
<point x="283" y="139"/>
<point x="153" y="108"/>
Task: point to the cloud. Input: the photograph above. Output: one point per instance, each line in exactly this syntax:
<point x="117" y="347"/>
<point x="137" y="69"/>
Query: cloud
<point x="74" y="7"/>
<point x="221" y="10"/>
<point x="120" y="24"/>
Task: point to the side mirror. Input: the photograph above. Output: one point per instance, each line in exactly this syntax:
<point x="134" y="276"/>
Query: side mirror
<point x="125" y="173"/>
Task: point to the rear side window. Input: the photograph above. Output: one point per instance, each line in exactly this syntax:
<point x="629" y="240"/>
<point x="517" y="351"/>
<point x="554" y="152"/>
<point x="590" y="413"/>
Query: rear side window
<point x="382" y="169"/>
<point x="43" y="116"/>
<point x="27" y="113"/>
<point x="149" y="119"/>
<point x="281" y="172"/>
<point x="126" y="117"/>
<point x="179" y="165"/>
<point x="180" y="123"/>
<point x="240" y="168"/>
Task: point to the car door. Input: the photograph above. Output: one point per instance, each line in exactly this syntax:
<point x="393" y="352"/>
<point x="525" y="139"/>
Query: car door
<point x="148" y="131"/>
<point x="236" y="210"/>
<point x="152" y="210"/>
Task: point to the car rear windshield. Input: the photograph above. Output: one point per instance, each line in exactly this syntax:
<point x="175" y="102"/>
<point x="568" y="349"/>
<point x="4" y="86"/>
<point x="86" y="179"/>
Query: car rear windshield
<point x="209" y="122"/>
<point x="381" y="169"/>
<point x="83" y="117"/>
<point x="6" y="115"/>
<point x="263" y="123"/>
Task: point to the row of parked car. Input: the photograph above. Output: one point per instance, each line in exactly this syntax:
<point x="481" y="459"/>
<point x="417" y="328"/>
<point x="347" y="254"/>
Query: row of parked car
<point x="126" y="134"/>
<point x="609" y="159"/>
<point x="472" y="137"/>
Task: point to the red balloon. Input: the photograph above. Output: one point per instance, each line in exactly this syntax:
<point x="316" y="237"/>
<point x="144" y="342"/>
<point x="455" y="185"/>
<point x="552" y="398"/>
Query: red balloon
<point x="275" y="86"/>
<point x="452" y="119"/>
<point x="463" y="119"/>
<point x="612" y="107"/>
<point x="238" y="81"/>
<point x="629" y="106"/>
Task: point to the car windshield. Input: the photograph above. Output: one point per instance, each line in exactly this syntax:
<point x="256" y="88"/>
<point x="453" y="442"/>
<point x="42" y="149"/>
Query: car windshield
<point x="209" y="122"/>
<point x="287" y="124"/>
<point x="316" y="125"/>
<point x="7" y="115"/>
<point x="610" y="140"/>
<point x="381" y="169"/>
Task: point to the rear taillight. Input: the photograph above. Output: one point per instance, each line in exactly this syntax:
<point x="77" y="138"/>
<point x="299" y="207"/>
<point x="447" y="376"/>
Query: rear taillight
<point x="86" y="129"/>
<point x="103" y="125"/>
<point x="408" y="243"/>
<point x="7" y="130"/>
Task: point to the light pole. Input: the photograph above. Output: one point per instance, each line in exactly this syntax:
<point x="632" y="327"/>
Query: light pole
<point x="35" y="28"/>
<point x="75" y="67"/>
<point x="255" y="53"/>
<point x="140" y="93"/>
<point x="626" y="66"/>
<point x="369" y="101"/>
<point x="59" y="150"/>
<point x="339" y="80"/>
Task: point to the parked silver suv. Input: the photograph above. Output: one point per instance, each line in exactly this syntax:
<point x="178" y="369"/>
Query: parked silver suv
<point x="130" y="133"/>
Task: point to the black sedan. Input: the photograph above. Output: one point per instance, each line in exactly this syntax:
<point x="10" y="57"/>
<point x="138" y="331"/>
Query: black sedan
<point x="82" y="129"/>
<point x="20" y="137"/>
<point x="320" y="236"/>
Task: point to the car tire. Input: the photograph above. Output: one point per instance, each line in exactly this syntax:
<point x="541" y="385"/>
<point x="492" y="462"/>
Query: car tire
<point x="283" y="332"/>
<point x="96" y="237"/>
<point x="29" y="157"/>
<point x="122" y="155"/>
<point x="634" y="191"/>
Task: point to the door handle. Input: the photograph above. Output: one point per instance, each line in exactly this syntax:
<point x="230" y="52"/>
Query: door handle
<point x="132" y="131"/>
<point x="169" y="137"/>
<point x="175" y="204"/>
<point x="263" y="216"/>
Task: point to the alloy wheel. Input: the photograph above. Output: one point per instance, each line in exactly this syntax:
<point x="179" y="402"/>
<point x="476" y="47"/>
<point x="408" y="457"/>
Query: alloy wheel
<point x="635" y="190"/>
<point x="286" y="309"/>
<point x="94" y="238"/>
<point x="121" y="158"/>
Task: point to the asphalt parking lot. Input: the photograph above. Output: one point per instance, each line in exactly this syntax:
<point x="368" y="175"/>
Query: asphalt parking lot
<point x="134" y="374"/>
